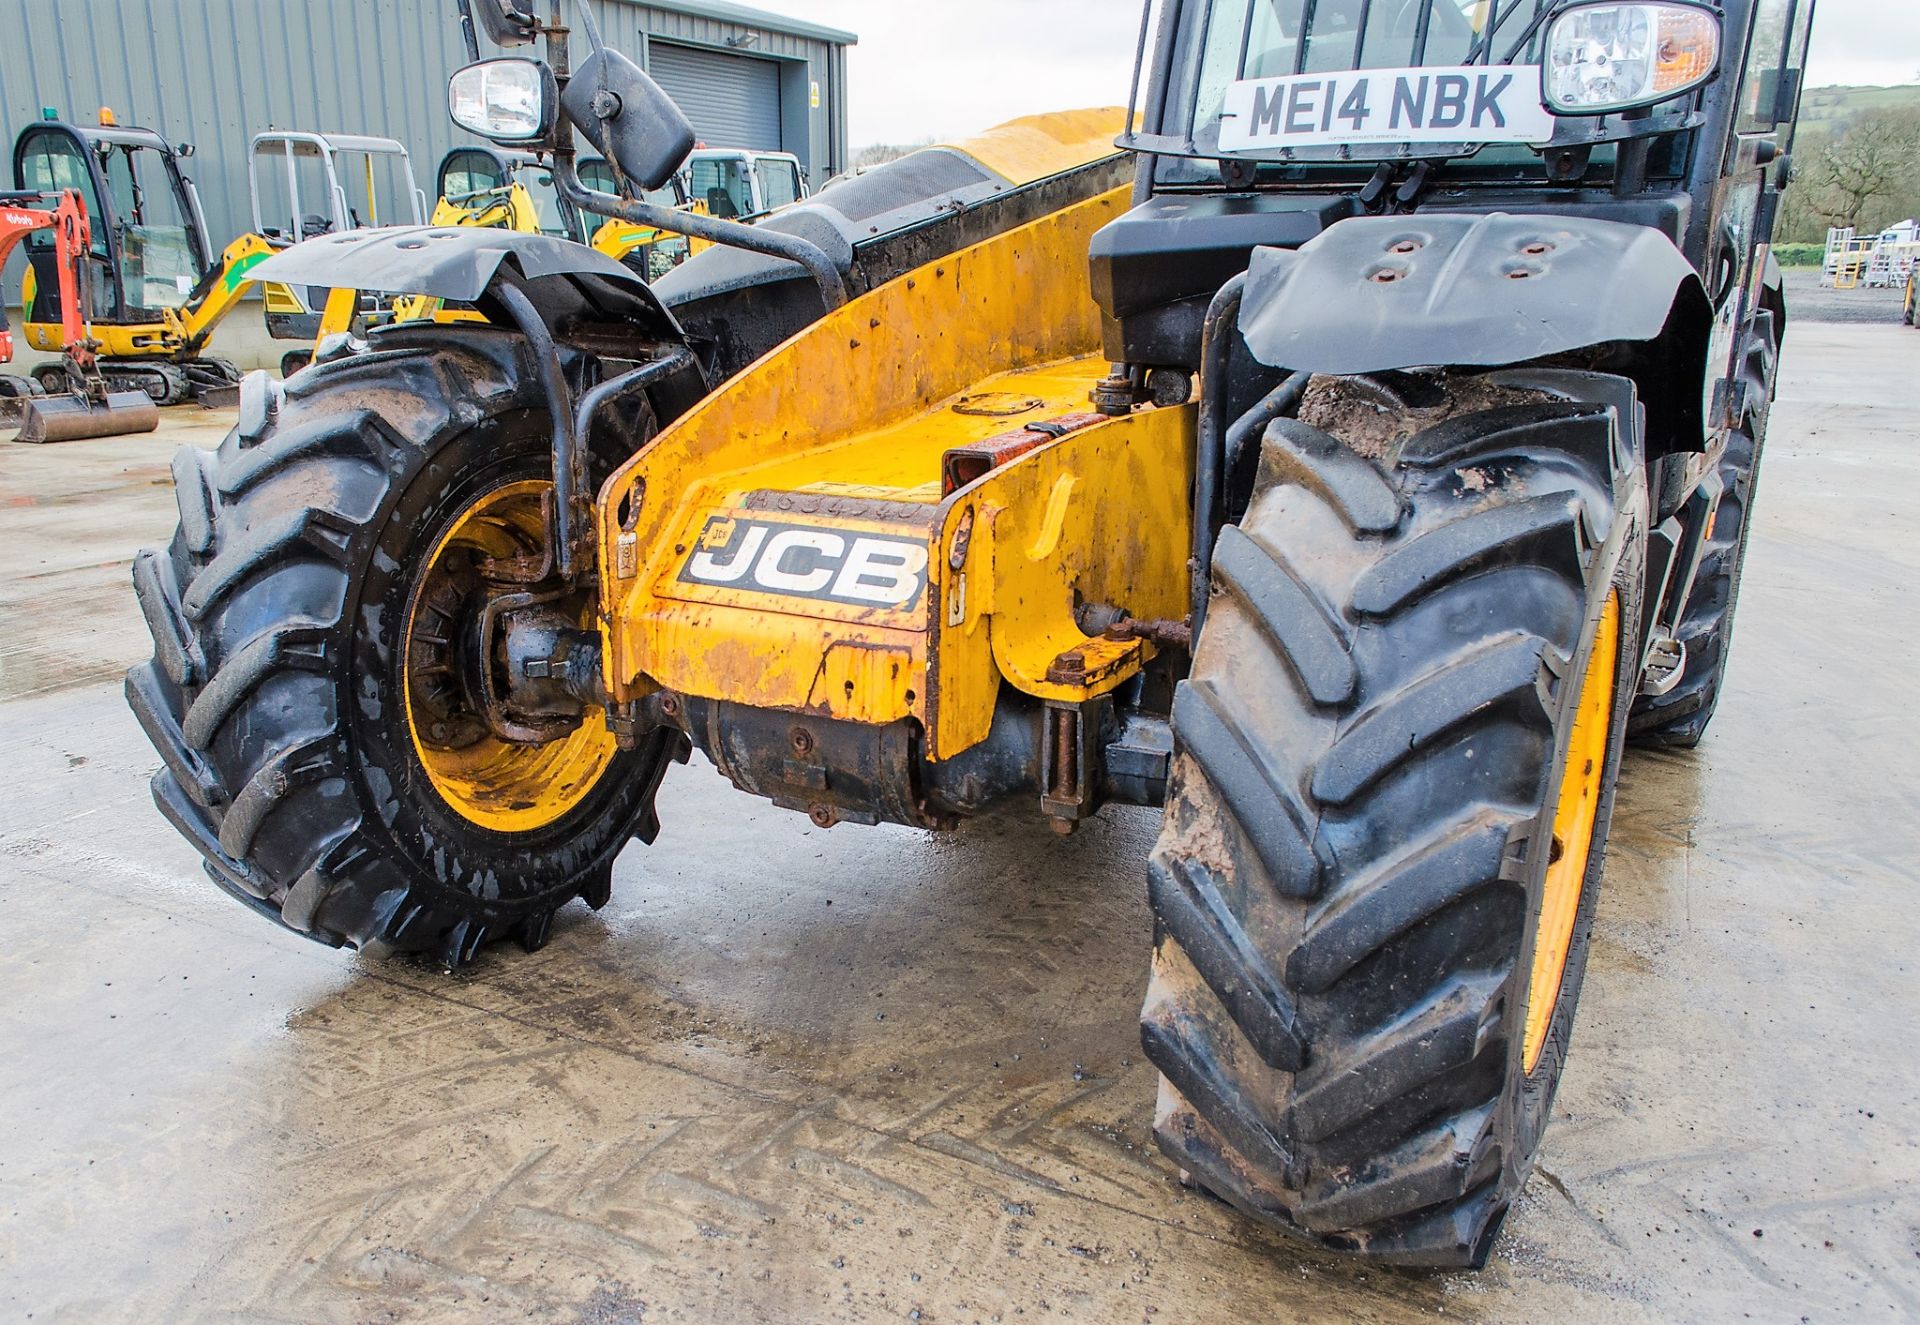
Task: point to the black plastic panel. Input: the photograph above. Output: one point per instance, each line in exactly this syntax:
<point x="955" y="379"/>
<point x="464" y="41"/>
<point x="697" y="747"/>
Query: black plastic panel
<point x="1155" y="269"/>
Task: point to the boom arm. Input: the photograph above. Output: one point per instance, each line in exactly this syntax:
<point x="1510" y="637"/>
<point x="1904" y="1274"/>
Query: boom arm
<point x="72" y="235"/>
<point x="200" y="317"/>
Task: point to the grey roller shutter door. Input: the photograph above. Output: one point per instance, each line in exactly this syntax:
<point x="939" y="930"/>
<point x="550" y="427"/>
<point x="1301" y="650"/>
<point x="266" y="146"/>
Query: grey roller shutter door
<point x="733" y="100"/>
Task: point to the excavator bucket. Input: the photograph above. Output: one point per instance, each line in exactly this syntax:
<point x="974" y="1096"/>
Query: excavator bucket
<point x="71" y="418"/>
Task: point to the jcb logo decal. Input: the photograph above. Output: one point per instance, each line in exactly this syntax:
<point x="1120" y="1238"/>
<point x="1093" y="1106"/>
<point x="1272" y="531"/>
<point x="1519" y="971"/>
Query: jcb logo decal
<point x="803" y="561"/>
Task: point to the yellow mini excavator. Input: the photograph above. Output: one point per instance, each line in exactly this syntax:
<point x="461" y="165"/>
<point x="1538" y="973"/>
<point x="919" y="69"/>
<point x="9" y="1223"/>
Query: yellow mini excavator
<point x="159" y="290"/>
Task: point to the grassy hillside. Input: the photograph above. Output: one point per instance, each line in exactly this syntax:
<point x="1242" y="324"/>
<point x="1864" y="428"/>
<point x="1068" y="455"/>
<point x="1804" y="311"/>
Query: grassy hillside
<point x="1826" y="107"/>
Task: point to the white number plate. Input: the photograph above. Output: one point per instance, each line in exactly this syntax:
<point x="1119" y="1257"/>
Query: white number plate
<point x="1469" y="104"/>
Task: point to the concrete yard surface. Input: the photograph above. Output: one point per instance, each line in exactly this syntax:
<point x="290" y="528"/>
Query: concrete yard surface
<point x="793" y="1074"/>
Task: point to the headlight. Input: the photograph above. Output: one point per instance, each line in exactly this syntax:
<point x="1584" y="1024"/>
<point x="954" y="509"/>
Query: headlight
<point x="509" y="101"/>
<point x="1606" y="57"/>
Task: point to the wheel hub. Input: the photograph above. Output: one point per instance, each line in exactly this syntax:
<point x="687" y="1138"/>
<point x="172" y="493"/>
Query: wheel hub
<point x="502" y="673"/>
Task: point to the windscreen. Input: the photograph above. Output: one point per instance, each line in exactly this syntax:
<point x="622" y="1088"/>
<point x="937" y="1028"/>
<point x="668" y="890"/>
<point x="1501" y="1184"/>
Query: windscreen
<point x="466" y="175"/>
<point x="722" y="186"/>
<point x="1230" y="42"/>
<point x="49" y="162"/>
<point x="378" y="189"/>
<point x="159" y="257"/>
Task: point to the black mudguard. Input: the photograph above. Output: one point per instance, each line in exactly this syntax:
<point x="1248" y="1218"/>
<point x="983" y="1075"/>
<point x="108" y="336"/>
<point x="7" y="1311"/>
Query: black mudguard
<point x="1375" y="294"/>
<point x="569" y="283"/>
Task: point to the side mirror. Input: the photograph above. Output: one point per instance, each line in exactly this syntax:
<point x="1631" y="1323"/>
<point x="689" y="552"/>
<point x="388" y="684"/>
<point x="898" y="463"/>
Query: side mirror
<point x="509" y="101"/>
<point x="628" y="118"/>
<point x="506" y="22"/>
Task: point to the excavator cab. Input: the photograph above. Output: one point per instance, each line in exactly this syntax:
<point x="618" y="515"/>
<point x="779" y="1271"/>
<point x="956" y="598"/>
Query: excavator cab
<point x="493" y="186"/>
<point x="150" y="249"/>
<point x="159" y="286"/>
<point x="306" y="184"/>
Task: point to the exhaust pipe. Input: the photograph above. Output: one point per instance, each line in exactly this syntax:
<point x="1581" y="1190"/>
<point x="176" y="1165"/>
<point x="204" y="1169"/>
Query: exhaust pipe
<point x="71" y="418"/>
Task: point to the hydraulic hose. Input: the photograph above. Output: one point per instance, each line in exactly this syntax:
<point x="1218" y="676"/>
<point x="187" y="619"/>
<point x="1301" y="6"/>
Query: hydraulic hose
<point x="1216" y="345"/>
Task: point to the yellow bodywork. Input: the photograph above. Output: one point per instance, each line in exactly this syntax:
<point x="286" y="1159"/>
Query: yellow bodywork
<point x="178" y="330"/>
<point x="842" y="430"/>
<point x="1036" y="146"/>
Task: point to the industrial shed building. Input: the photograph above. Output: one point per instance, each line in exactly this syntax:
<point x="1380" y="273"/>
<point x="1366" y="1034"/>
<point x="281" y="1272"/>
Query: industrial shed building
<point x="216" y="72"/>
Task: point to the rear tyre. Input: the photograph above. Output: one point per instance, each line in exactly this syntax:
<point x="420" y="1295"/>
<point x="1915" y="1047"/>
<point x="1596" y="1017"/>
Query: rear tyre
<point x="320" y="555"/>
<point x="1679" y="718"/>
<point x="1394" y="768"/>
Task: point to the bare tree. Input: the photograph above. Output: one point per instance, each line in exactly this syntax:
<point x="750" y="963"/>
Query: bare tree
<point x="1876" y="158"/>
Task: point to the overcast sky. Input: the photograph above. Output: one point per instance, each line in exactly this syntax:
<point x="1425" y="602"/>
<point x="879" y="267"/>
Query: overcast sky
<point x="945" y="68"/>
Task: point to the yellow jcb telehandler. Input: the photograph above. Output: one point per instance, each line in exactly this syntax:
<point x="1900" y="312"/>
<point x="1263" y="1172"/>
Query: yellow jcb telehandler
<point x="1351" y="469"/>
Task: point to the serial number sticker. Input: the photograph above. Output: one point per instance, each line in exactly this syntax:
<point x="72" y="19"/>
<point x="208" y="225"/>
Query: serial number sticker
<point x="1468" y="104"/>
<point x="808" y="561"/>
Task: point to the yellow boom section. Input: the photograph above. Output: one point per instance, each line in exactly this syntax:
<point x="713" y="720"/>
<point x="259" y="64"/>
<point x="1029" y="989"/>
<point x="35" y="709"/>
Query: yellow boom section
<point x="829" y="453"/>
<point x="197" y="321"/>
<point x="178" y="330"/>
<point x="1036" y="146"/>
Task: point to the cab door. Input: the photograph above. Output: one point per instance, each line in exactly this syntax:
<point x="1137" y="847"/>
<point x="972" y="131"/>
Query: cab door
<point x="1759" y="149"/>
<point x="50" y="159"/>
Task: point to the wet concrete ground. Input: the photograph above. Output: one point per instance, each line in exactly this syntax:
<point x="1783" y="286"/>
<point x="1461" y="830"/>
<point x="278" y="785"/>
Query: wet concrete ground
<point x="875" y="1075"/>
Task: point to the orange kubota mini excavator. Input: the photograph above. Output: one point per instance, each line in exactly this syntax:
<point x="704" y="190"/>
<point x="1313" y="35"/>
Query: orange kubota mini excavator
<point x="86" y="408"/>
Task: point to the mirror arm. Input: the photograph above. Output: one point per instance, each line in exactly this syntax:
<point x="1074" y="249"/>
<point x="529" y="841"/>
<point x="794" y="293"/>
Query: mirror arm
<point x="467" y="32"/>
<point x="731" y="233"/>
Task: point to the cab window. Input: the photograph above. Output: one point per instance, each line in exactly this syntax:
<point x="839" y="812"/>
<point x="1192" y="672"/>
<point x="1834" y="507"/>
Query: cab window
<point x="1774" y="56"/>
<point x="779" y="182"/>
<point x="719" y="184"/>
<point x="51" y="162"/>
<point x="159" y="260"/>
<point x="464" y="174"/>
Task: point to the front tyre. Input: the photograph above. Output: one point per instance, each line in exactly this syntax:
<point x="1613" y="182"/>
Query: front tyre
<point x="309" y="621"/>
<point x="1395" y="765"/>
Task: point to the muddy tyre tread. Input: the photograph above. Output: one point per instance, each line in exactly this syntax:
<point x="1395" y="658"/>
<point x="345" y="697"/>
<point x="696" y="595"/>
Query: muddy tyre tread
<point x="1336" y="939"/>
<point x="250" y="697"/>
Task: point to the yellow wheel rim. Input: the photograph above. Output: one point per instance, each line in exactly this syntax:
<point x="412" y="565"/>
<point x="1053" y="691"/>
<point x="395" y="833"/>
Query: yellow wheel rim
<point x="496" y="784"/>
<point x="1574" y="813"/>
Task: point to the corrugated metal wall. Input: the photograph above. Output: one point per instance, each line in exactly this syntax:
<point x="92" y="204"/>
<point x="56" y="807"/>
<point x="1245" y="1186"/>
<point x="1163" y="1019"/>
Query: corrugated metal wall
<point x="215" y="72"/>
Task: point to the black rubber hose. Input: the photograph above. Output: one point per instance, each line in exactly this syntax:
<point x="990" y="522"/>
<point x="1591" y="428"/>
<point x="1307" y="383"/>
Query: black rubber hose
<point x="1251" y="426"/>
<point x="1216" y="347"/>
<point x="567" y="483"/>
